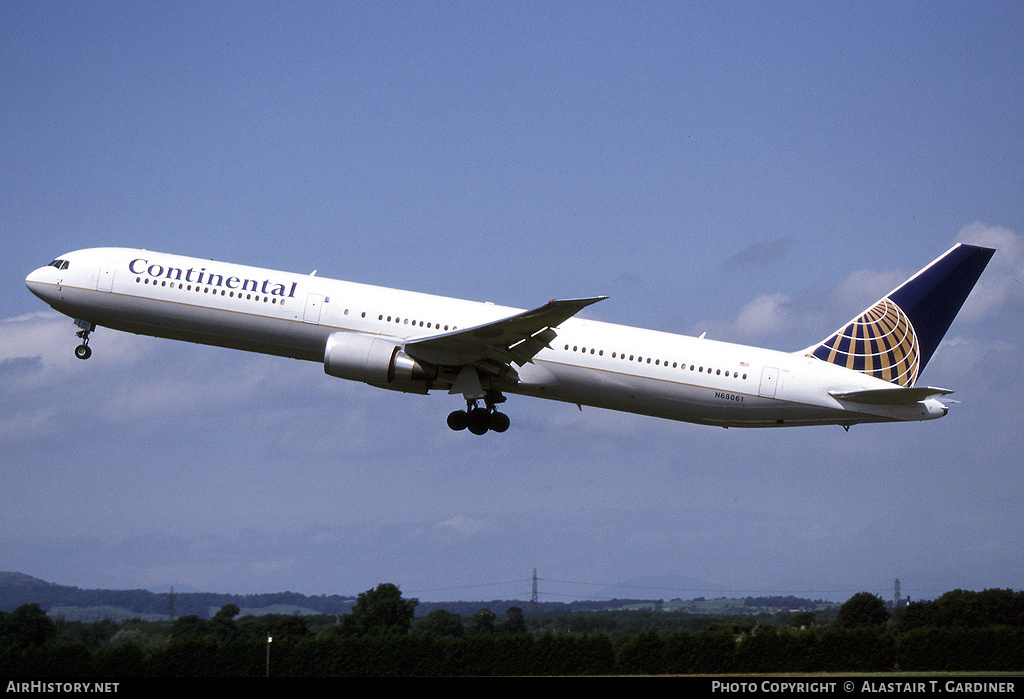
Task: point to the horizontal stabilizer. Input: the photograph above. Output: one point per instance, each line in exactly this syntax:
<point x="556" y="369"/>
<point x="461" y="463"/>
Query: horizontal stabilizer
<point x="890" y="396"/>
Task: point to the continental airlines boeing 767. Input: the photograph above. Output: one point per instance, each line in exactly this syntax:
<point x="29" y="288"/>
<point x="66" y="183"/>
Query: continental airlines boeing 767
<point x="867" y="371"/>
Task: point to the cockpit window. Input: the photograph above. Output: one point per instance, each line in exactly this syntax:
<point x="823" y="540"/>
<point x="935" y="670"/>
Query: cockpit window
<point x="59" y="264"/>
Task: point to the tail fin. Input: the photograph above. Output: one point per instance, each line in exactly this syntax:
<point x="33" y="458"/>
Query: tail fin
<point x="894" y="339"/>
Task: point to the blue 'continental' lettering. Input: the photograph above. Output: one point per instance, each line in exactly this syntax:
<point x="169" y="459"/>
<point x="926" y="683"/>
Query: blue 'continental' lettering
<point x="202" y="276"/>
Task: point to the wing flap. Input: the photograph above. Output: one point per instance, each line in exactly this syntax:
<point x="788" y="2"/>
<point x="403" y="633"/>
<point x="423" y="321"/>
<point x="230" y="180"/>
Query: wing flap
<point x="525" y="350"/>
<point x="890" y="396"/>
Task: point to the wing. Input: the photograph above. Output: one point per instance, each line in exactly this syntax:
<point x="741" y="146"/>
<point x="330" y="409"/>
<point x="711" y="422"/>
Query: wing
<point x="512" y="340"/>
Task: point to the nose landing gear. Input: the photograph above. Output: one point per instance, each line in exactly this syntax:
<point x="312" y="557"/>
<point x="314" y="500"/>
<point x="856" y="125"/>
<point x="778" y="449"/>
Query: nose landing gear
<point x="83" y="351"/>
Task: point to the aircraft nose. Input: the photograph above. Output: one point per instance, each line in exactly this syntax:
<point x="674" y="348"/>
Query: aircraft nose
<point x="35" y="281"/>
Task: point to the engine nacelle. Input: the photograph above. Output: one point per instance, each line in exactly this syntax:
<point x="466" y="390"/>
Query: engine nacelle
<point x="377" y="362"/>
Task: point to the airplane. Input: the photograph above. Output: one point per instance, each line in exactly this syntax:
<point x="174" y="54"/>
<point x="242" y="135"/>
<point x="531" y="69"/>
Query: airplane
<point x="865" y="372"/>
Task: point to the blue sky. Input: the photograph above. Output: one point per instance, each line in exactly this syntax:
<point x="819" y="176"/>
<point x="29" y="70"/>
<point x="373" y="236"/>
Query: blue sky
<point x="761" y="172"/>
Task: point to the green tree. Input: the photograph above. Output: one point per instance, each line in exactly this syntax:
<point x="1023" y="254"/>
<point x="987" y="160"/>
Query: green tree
<point x="191" y="627"/>
<point x="514" y="622"/>
<point x="642" y="654"/>
<point x="290" y="628"/>
<point x="440" y="623"/>
<point x="28" y="625"/>
<point x="223" y="623"/>
<point x="863" y="609"/>
<point x="482" y="622"/>
<point x="380" y="611"/>
<point x="802" y="619"/>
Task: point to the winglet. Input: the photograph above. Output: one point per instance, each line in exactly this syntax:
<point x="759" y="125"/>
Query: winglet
<point x="564" y="308"/>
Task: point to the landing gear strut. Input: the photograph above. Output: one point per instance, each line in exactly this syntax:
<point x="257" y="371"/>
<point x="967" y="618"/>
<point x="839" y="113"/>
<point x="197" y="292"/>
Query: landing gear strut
<point x="479" y="420"/>
<point x="83" y="351"/>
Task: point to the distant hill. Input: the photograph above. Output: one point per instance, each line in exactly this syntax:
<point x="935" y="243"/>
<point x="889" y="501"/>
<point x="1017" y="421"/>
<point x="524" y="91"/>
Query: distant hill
<point x="17" y="589"/>
<point x="22" y="581"/>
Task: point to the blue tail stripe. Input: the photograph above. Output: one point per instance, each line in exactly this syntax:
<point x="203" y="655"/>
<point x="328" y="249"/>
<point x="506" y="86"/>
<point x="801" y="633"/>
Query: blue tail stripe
<point x="932" y="298"/>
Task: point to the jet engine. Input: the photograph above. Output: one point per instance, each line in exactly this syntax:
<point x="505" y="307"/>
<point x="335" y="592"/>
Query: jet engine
<point x="376" y="361"/>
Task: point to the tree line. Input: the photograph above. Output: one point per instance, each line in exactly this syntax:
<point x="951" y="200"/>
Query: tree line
<point x="960" y="631"/>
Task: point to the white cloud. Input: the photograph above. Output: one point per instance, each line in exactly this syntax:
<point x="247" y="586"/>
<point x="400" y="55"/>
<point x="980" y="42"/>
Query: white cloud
<point x="36" y="349"/>
<point x="133" y="382"/>
<point x="765" y="315"/>
<point x="860" y="289"/>
<point x="771" y="317"/>
<point x="1001" y="287"/>
<point x="463" y="525"/>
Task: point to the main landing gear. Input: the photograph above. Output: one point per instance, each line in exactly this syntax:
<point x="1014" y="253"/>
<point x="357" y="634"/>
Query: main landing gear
<point x="83" y="351"/>
<point x="479" y="420"/>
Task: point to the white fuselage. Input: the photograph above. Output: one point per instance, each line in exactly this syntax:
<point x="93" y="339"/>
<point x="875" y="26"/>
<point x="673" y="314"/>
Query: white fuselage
<point x="588" y="363"/>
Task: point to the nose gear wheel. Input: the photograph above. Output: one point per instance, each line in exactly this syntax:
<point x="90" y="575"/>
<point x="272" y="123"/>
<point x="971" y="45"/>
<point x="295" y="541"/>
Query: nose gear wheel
<point x="83" y="351"/>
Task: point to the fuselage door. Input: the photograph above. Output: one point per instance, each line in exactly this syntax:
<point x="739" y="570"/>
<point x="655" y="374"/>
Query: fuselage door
<point x="313" y="304"/>
<point x="769" y="382"/>
<point x="105" y="280"/>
